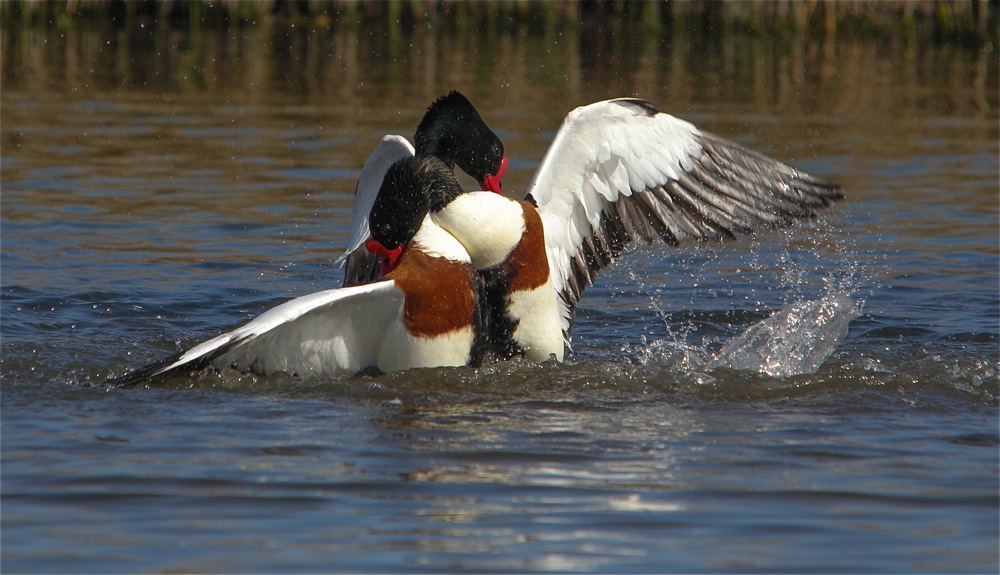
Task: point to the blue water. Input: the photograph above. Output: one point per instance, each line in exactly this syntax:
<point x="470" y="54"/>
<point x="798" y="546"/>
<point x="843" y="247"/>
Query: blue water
<point x="134" y="226"/>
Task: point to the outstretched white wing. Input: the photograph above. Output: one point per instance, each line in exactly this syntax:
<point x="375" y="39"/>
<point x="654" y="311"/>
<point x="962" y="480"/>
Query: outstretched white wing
<point x="388" y="151"/>
<point x="332" y="332"/>
<point x="622" y="170"/>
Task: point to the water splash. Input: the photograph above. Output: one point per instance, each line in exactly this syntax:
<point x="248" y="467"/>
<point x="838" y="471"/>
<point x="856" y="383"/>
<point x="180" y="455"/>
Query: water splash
<point x="676" y="349"/>
<point x="793" y="341"/>
<point x="797" y="338"/>
<point x="813" y="277"/>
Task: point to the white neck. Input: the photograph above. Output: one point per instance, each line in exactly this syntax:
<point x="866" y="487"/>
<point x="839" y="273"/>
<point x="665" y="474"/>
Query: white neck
<point x="489" y="226"/>
<point x="436" y="242"/>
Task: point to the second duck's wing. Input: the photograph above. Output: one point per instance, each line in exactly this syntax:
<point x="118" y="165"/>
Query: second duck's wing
<point x="362" y="266"/>
<point x="622" y="170"/>
<point x="332" y="332"/>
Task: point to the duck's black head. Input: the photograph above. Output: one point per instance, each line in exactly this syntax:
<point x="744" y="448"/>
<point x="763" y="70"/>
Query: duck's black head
<point x="411" y="187"/>
<point x="453" y="131"/>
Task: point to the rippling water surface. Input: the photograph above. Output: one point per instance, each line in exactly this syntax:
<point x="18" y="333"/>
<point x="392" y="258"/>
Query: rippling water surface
<point x="143" y="214"/>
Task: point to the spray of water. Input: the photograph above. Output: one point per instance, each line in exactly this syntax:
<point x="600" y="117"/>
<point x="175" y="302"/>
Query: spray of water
<point x="819" y="281"/>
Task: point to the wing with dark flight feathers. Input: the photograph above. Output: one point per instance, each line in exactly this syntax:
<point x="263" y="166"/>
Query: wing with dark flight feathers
<point x="622" y="170"/>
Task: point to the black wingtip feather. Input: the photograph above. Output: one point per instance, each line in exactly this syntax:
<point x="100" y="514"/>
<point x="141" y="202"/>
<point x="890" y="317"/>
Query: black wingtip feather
<point x="143" y="374"/>
<point x="158" y="369"/>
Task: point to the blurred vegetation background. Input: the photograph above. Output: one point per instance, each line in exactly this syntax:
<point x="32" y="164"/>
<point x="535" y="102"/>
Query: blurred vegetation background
<point x="967" y="21"/>
<point x="970" y="22"/>
<point x="844" y="57"/>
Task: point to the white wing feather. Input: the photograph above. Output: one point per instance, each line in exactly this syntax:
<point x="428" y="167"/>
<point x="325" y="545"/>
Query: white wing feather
<point x="328" y="333"/>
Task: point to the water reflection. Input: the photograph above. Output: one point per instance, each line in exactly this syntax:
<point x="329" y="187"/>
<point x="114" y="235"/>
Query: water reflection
<point x="365" y="64"/>
<point x="338" y="85"/>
